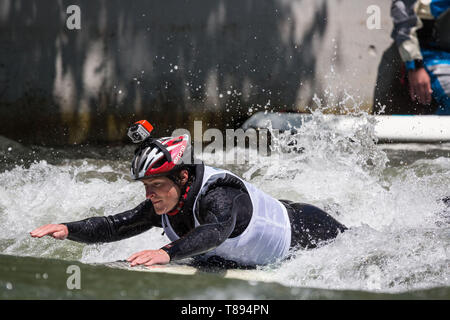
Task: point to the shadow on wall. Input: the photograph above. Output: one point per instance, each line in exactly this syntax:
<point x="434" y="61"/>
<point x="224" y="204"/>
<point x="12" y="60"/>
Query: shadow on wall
<point x="170" y="62"/>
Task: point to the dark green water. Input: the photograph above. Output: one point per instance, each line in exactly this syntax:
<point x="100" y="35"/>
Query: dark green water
<point x="36" y="278"/>
<point x="397" y="247"/>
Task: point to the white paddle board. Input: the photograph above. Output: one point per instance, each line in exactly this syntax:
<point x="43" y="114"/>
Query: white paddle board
<point x="391" y="128"/>
<point x="180" y="269"/>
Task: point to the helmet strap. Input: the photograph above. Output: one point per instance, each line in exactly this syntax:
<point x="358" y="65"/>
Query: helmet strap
<point x="180" y="204"/>
<point x="184" y="189"/>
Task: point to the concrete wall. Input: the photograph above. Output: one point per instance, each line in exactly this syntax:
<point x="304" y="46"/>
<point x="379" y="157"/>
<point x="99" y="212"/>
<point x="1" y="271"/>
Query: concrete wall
<point x="176" y="61"/>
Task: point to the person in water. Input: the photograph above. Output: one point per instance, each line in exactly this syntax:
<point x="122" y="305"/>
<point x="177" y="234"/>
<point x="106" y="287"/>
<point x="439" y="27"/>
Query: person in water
<point x="207" y="213"/>
<point x="422" y="35"/>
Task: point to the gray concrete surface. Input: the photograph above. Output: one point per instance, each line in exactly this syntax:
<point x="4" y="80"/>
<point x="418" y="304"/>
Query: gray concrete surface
<point x="176" y="61"/>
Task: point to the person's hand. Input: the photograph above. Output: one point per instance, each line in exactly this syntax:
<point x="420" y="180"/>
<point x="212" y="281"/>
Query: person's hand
<point x="57" y="231"/>
<point x="149" y="258"/>
<point x="420" y="86"/>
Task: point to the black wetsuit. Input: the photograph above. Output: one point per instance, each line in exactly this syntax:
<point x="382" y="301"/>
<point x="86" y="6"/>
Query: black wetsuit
<point x="219" y="220"/>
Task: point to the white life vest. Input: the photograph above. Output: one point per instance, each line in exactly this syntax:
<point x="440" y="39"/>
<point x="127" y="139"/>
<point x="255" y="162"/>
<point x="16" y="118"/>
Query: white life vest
<point x="267" y="237"/>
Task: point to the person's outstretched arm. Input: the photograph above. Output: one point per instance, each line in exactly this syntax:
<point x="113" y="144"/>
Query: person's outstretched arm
<point x="104" y="229"/>
<point x="219" y="212"/>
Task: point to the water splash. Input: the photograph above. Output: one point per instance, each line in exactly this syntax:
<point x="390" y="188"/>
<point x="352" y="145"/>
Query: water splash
<point x="399" y="230"/>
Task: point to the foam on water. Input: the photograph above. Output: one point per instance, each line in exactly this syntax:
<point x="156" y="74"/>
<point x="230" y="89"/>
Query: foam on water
<point x="399" y="230"/>
<point x="44" y="193"/>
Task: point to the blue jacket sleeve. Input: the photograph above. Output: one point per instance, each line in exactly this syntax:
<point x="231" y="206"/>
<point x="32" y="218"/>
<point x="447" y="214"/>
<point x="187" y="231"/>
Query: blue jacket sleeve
<point x="406" y="23"/>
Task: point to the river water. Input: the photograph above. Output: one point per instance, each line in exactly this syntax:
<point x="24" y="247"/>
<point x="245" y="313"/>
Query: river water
<point x="389" y="195"/>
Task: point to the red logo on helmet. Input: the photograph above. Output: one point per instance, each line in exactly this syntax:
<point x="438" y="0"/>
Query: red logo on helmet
<point x="176" y="154"/>
<point x="177" y="158"/>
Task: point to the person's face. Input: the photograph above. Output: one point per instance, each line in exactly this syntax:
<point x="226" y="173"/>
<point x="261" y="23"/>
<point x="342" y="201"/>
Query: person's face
<point x="162" y="192"/>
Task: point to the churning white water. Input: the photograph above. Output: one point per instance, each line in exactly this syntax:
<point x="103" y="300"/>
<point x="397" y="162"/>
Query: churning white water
<point x="399" y="234"/>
